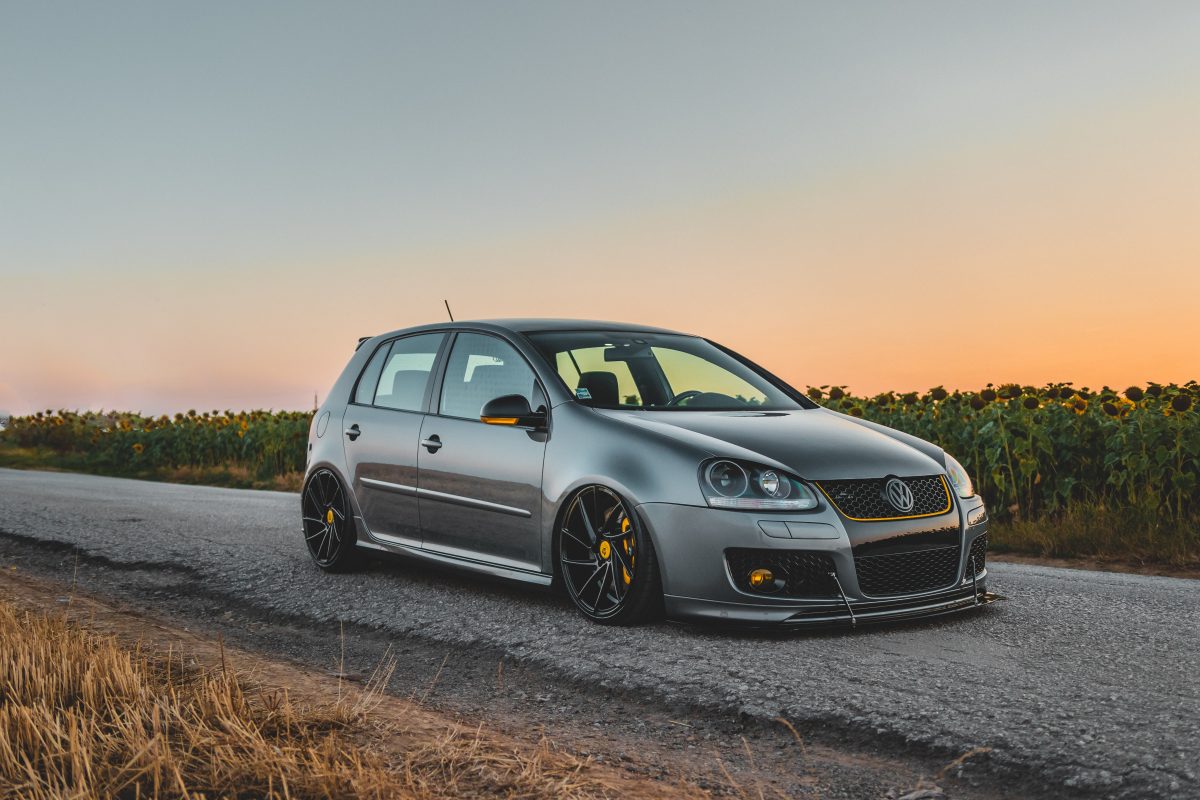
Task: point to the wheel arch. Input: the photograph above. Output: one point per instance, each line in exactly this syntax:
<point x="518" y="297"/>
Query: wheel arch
<point x="640" y="466"/>
<point x="347" y="485"/>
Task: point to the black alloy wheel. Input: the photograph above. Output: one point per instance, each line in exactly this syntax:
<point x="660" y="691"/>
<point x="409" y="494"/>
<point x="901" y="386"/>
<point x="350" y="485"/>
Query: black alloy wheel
<point x="606" y="560"/>
<point x="328" y="523"/>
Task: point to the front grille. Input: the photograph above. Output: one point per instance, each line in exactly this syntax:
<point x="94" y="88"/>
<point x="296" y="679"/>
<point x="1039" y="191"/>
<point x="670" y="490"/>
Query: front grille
<point x="865" y="500"/>
<point x="907" y="573"/>
<point x="804" y="573"/>
<point x="979" y="553"/>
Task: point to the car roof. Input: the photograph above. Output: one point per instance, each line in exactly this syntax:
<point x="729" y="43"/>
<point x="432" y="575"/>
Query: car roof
<point x="534" y="325"/>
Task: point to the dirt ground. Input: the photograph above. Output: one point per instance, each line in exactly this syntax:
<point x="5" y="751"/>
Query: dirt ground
<point x="310" y="687"/>
<point x="656" y="753"/>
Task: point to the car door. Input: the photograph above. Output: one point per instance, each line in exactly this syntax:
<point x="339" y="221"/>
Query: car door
<point x="481" y="484"/>
<point x="382" y="427"/>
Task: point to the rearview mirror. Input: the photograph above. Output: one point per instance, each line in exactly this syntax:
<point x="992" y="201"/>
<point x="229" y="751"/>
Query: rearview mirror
<point x="512" y="409"/>
<point x="628" y="351"/>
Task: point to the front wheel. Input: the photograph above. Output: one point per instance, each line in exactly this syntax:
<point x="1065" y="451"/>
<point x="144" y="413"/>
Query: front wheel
<point x="328" y="523"/>
<point x="607" y="562"/>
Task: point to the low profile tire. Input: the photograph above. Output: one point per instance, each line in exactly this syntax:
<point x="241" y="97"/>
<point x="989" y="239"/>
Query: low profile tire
<point x="329" y="523"/>
<point x="606" y="560"/>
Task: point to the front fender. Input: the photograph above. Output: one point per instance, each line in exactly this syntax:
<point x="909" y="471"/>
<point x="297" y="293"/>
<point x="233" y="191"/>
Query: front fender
<point x="586" y="447"/>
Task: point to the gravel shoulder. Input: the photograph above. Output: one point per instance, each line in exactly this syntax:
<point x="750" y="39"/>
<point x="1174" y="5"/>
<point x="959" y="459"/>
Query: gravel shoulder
<point x="1078" y="684"/>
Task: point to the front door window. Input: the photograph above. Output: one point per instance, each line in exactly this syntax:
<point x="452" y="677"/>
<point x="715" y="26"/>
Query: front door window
<point x="482" y="368"/>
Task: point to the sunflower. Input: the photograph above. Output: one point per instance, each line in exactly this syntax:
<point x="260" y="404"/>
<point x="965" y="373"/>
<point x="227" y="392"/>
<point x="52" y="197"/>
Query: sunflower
<point x="989" y="395"/>
<point x="938" y="393"/>
<point x="1181" y="403"/>
<point x="138" y="447"/>
<point x="1030" y="402"/>
<point x="977" y="402"/>
<point x="815" y="393"/>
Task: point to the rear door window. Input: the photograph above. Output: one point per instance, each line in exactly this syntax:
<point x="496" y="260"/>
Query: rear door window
<point x="405" y="372"/>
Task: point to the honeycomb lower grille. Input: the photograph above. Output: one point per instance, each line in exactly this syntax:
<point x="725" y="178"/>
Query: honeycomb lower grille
<point x="865" y="499"/>
<point x="907" y="573"/>
<point x="979" y="553"/>
<point x="804" y="573"/>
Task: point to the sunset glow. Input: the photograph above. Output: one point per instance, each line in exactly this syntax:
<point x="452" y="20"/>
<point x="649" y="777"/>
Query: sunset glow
<point x="205" y="213"/>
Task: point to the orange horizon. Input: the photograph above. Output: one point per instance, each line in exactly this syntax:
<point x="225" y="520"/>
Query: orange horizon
<point x="917" y="208"/>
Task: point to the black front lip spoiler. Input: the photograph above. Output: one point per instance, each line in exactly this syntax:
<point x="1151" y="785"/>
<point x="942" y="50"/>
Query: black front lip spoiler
<point x="888" y="611"/>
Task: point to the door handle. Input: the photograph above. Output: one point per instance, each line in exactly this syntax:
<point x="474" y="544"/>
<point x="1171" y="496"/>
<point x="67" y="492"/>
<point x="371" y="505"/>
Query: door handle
<point x="432" y="444"/>
<point x="353" y="432"/>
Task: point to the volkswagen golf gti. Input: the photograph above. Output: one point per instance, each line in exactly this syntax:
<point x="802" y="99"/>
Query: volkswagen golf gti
<point x="644" y="471"/>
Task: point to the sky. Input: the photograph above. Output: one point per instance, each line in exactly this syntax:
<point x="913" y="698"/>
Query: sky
<point x="205" y="205"/>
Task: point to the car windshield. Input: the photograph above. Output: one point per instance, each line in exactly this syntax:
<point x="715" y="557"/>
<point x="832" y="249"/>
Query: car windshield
<point x="656" y="372"/>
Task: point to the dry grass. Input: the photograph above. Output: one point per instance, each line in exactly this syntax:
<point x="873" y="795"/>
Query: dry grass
<point x="233" y="476"/>
<point x="1128" y="535"/>
<point x="83" y="716"/>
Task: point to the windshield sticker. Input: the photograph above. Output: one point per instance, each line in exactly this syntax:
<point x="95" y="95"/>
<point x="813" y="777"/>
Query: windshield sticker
<point x="583" y="394"/>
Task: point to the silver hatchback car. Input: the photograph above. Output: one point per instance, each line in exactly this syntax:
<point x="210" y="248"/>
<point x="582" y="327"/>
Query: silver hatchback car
<point x="645" y="471"/>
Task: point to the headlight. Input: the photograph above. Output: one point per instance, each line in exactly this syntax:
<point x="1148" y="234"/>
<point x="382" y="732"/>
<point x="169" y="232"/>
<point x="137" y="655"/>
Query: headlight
<point x="739" y="484"/>
<point x="959" y="477"/>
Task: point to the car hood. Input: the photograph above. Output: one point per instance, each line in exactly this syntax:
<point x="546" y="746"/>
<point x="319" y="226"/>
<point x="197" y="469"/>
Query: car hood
<point x="813" y="443"/>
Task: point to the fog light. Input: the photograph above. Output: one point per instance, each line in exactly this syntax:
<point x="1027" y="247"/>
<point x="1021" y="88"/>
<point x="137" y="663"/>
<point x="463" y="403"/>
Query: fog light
<point x="762" y="579"/>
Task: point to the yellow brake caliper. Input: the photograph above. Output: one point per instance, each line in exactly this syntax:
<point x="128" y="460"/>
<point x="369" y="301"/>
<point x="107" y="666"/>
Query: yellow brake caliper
<point x="627" y="543"/>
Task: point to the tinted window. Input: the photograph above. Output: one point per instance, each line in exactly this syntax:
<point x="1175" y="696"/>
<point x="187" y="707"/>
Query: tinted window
<point x="405" y="373"/>
<point x="482" y="368"/>
<point x="365" y="393"/>
<point x="656" y="371"/>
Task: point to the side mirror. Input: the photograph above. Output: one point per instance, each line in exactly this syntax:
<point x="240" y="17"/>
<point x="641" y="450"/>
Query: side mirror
<point x="512" y="409"/>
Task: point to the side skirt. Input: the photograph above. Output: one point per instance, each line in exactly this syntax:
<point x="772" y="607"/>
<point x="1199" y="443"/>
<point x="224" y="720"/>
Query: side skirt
<point x="373" y="542"/>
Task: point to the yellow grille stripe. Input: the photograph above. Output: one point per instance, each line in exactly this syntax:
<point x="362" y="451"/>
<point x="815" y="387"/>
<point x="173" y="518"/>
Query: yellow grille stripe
<point x="945" y="488"/>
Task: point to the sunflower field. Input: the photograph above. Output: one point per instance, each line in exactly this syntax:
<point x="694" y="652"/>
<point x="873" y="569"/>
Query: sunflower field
<point x="1065" y="470"/>
<point x="249" y="448"/>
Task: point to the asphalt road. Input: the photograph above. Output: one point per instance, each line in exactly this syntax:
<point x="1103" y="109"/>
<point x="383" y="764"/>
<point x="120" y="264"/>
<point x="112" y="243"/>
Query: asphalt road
<point x="1080" y="679"/>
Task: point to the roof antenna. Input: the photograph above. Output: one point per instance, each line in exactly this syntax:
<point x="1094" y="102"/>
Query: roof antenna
<point x="448" y="311"/>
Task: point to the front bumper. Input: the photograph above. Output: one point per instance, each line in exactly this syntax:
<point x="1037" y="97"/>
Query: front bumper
<point x="691" y="542"/>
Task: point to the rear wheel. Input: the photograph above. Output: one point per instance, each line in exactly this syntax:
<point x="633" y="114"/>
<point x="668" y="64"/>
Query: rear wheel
<point x="328" y="523"/>
<point x="606" y="560"/>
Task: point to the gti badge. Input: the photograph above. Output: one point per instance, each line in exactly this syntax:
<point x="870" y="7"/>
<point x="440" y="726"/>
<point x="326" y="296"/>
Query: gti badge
<point x="896" y="492"/>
